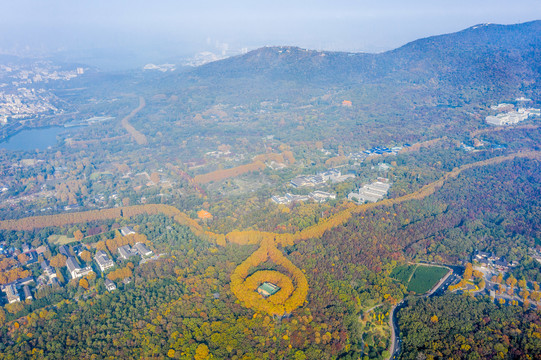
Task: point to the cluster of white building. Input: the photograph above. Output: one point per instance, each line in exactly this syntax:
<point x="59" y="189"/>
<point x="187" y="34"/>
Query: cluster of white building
<point x="371" y="192"/>
<point x="76" y="271"/>
<point x="19" y="99"/>
<point x="35" y="73"/>
<point x="12" y="292"/>
<point x="162" y="67"/>
<point x="509" y="116"/>
<point x="24" y="103"/>
<point x="318" y="196"/>
<point x="127" y="251"/>
<point x="333" y="175"/>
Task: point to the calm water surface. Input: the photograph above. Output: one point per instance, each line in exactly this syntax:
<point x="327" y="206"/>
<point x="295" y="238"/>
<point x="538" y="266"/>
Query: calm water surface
<point x="31" y="139"/>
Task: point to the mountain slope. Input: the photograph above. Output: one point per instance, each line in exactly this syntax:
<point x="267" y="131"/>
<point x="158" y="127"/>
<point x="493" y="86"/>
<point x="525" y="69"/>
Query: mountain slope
<point x="480" y="55"/>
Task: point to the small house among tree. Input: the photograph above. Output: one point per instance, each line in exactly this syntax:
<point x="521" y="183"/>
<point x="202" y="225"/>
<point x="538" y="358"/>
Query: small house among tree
<point x="126" y="230"/>
<point x="109" y="285"/>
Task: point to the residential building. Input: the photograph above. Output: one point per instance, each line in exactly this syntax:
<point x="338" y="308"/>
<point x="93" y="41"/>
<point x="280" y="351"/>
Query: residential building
<point x="103" y="260"/>
<point x="321" y="196"/>
<point x="501" y="264"/>
<point x="42" y="249"/>
<point x="126" y="230"/>
<point x="75" y="270"/>
<point x="126" y="252"/>
<point x="142" y="249"/>
<point x="32" y="256"/>
<point x="25" y="281"/>
<point x="280" y="199"/>
<point x="317" y="195"/>
<point x="64" y="250"/>
<point x="509" y="118"/>
<point x="332" y="175"/>
<point x="371" y="192"/>
<point x="27" y="293"/>
<point x="12" y="293"/>
<point x="109" y="285"/>
<point x="47" y="269"/>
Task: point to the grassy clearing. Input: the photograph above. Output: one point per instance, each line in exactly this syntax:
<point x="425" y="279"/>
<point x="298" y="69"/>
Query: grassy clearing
<point x="403" y="273"/>
<point x="98" y="174"/>
<point x="425" y="277"/>
<point x="60" y="239"/>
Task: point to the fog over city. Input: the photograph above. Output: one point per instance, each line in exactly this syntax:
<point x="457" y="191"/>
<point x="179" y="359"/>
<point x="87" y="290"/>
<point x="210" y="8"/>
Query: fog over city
<point x="123" y="34"/>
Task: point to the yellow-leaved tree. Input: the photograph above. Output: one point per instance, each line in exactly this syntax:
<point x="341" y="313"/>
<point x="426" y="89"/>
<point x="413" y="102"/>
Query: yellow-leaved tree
<point x="202" y="352"/>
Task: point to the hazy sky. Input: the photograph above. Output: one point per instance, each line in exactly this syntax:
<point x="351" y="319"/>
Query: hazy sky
<point x="166" y="29"/>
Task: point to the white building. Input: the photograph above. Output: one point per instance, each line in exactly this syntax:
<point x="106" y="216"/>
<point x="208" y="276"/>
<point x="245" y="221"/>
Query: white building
<point x="48" y="269"/>
<point x="126" y="230"/>
<point x="371" y="192"/>
<point x="510" y="118"/>
<point x="75" y="270"/>
<point x="321" y="196"/>
<point x="109" y="285"/>
<point x="332" y="175"/>
<point x="103" y="260"/>
<point x="126" y="252"/>
<point x="12" y="293"/>
<point x="142" y="249"/>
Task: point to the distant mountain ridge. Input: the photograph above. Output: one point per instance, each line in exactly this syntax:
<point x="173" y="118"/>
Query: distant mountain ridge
<point x="486" y="53"/>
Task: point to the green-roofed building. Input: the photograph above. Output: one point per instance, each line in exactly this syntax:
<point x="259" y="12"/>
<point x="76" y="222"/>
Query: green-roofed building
<point x="267" y="289"/>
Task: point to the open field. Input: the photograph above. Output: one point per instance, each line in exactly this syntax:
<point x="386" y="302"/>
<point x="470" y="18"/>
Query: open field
<point x="403" y="273"/>
<point x="60" y="239"/>
<point x="425" y="277"/>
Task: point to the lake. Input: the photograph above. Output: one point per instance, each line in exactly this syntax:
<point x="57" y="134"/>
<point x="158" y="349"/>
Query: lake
<point x="31" y="139"/>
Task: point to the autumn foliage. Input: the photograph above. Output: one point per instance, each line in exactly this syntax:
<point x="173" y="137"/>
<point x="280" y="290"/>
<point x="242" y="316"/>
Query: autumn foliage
<point x="6" y="263"/>
<point x="13" y="274"/>
<point x="278" y="304"/>
<point x="58" y="261"/>
<point x="277" y="278"/>
<point x="114" y="244"/>
<point x="227" y="173"/>
<point x="418" y="146"/>
<point x="202" y="214"/>
<point x="121" y="273"/>
<point x="335" y="161"/>
<point x="285" y="156"/>
<point x="250" y="236"/>
<point x="36" y="222"/>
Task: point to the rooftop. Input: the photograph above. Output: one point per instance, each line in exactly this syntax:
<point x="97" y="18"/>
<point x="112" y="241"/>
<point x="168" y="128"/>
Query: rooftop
<point x="268" y="289"/>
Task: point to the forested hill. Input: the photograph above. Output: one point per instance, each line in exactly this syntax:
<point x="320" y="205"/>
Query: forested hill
<point x="481" y="55"/>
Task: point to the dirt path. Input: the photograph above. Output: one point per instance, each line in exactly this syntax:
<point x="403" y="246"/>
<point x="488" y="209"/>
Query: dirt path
<point x="139" y="138"/>
<point x="413" y="272"/>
